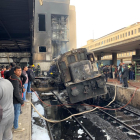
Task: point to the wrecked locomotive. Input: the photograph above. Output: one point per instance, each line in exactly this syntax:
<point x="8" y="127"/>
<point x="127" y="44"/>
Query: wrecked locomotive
<point x="77" y="72"/>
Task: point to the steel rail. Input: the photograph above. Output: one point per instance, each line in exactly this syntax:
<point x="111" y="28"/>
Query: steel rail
<point x="48" y="126"/>
<point x="124" y="109"/>
<point x="128" y="110"/>
<point x="75" y="118"/>
<point x="129" y="127"/>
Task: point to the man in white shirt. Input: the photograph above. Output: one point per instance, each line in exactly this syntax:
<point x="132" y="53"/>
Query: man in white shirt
<point x="6" y="103"/>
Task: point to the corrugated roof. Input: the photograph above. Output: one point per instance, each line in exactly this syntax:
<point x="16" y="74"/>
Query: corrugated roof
<point x="15" y="16"/>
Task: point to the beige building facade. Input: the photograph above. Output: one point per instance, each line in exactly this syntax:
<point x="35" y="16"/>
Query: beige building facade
<point x="123" y="42"/>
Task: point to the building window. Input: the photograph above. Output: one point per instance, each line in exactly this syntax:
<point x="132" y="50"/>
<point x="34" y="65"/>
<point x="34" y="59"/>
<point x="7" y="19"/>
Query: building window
<point x="118" y="36"/>
<point x="132" y="32"/>
<point x="109" y="39"/>
<point x="104" y="41"/>
<point x="41" y="22"/>
<point x="129" y="53"/>
<point x="135" y="31"/>
<point x="123" y="35"/>
<point x="128" y="33"/>
<point x="139" y="30"/>
<point x="42" y="49"/>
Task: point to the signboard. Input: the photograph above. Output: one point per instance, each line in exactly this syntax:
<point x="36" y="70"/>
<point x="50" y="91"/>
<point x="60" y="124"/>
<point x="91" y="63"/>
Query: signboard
<point x="136" y="57"/>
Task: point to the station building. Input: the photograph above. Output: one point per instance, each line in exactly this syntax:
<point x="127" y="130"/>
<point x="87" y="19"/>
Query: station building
<point x="36" y="31"/>
<point x="118" y="46"/>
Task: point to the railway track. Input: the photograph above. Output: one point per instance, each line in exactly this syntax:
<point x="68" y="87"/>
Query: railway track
<point x="76" y="119"/>
<point x="124" y="119"/>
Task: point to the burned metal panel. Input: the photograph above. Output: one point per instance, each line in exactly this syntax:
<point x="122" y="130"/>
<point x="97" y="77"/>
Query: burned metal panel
<point x="86" y="90"/>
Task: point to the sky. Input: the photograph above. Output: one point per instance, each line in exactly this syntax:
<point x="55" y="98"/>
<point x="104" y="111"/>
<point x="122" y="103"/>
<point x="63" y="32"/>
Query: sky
<point x="96" y="18"/>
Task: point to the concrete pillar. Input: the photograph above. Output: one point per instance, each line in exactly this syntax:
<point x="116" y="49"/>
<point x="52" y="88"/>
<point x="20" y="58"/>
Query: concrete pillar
<point x="114" y="59"/>
<point x="98" y="57"/>
<point x="137" y="51"/>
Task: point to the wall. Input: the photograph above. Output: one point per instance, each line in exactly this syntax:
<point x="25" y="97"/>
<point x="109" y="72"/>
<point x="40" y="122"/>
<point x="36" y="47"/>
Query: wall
<point x="115" y="37"/>
<point x="124" y="95"/>
<point x="44" y="38"/>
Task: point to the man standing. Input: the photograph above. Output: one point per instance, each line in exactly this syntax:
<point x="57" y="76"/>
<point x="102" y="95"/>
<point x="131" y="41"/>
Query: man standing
<point x="38" y="70"/>
<point x="6" y="103"/>
<point x="113" y="71"/>
<point x="125" y="75"/>
<point x="11" y="72"/>
<point x="17" y="98"/>
<point x="31" y="77"/>
<point x="105" y="71"/>
<point x="7" y="69"/>
<point x="33" y="68"/>
<point x="25" y="68"/>
<point x="120" y="73"/>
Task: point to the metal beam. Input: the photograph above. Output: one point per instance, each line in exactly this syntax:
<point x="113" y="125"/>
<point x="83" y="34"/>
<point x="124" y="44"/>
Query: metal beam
<point x="4" y="48"/>
<point x="9" y="35"/>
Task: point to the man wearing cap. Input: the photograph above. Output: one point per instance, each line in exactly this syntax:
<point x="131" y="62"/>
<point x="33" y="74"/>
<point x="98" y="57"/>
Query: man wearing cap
<point x="33" y="68"/>
<point x="38" y="70"/>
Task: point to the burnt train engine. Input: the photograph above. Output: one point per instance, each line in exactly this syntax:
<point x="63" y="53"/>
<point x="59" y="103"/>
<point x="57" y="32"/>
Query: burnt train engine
<point x="77" y="72"/>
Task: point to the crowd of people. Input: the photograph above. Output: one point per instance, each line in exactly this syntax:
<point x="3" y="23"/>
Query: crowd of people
<point x="14" y="84"/>
<point x="122" y="72"/>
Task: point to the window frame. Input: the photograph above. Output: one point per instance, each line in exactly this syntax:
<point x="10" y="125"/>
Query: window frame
<point x="39" y="22"/>
<point x="42" y="48"/>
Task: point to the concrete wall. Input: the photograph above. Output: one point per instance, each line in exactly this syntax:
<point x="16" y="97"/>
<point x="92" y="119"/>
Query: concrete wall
<point x="44" y="38"/>
<point x="124" y="95"/>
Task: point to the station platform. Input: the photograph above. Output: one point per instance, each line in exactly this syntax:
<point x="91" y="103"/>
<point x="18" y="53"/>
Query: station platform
<point x="131" y="83"/>
<point x="130" y="95"/>
<point x="25" y="120"/>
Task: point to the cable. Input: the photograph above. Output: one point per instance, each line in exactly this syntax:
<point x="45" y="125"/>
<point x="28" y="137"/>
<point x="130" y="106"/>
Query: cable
<point x="57" y="121"/>
<point x="96" y="107"/>
<point x="119" y="107"/>
<point x="48" y="104"/>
